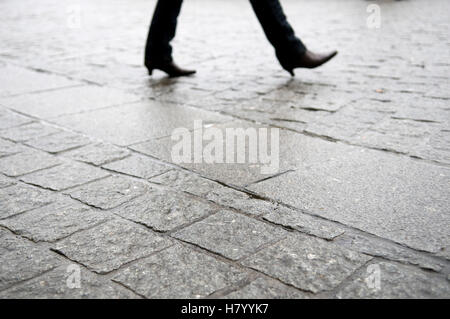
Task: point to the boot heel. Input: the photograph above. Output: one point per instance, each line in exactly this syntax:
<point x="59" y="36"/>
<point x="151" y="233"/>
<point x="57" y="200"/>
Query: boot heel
<point x="288" y="68"/>
<point x="170" y="68"/>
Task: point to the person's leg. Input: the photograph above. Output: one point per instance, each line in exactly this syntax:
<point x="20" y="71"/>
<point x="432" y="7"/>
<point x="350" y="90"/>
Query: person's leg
<point x="289" y="49"/>
<point x="158" y="51"/>
<point x="277" y="29"/>
<point x="162" y="30"/>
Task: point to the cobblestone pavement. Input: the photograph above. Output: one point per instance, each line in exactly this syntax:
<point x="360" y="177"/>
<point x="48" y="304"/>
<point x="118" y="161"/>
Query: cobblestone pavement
<point x="360" y="207"/>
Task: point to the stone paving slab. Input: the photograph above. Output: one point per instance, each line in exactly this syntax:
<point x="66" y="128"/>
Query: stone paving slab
<point x="231" y="235"/>
<point x="54" y="285"/>
<point x="64" y="176"/>
<point x="5" y="181"/>
<point x="164" y="211"/>
<point x="54" y="221"/>
<point x="239" y="200"/>
<point x="10" y="148"/>
<point x="376" y="124"/>
<point x="213" y="191"/>
<point x="139" y="166"/>
<point x="179" y="272"/>
<point x="383" y="194"/>
<point x="19" y="198"/>
<point x="29" y="131"/>
<point x="25" y="81"/>
<point x="388" y="250"/>
<point x="186" y="182"/>
<point x="138" y="122"/>
<point x="396" y="281"/>
<point x="262" y="288"/>
<point x="68" y="101"/>
<point x="400" y="135"/>
<point x="109" y="246"/>
<point x="325" y="100"/>
<point x="10" y="119"/>
<point x="445" y="253"/>
<point x="58" y="142"/>
<point x="21" y="260"/>
<point x="307" y="263"/>
<point x="109" y="192"/>
<point x="294" y="150"/>
<point x="352" y="121"/>
<point x="97" y="154"/>
<point x="304" y="223"/>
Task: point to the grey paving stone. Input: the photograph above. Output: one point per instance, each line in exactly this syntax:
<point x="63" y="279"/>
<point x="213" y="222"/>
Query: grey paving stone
<point x="387" y="195"/>
<point x="110" y="245"/>
<point x="139" y="166"/>
<point x="26" y="162"/>
<point x="179" y="272"/>
<point x="22" y="260"/>
<point x="230" y="234"/>
<point x="438" y="93"/>
<point x="295" y="150"/>
<point x="164" y="211"/>
<point x="262" y="288"/>
<point x="68" y="101"/>
<point x="398" y="135"/>
<point x="327" y="100"/>
<point x="396" y="281"/>
<point x="138" y="122"/>
<point x="445" y="252"/>
<point x="54" y="221"/>
<point x="9" y="119"/>
<point x="307" y="263"/>
<point x="436" y="150"/>
<point x="20" y="198"/>
<point x="422" y="110"/>
<point x="235" y="173"/>
<point x="230" y="197"/>
<point x="382" y="248"/>
<point x="28" y="81"/>
<point x="108" y="193"/>
<point x="199" y="186"/>
<point x="186" y="181"/>
<point x="160" y="148"/>
<point x="304" y="223"/>
<point x="276" y="113"/>
<point x="351" y="123"/>
<point x="58" y="142"/>
<point x="64" y="176"/>
<point x="235" y="95"/>
<point x="10" y="148"/>
<point x="29" y="131"/>
<point x="5" y="181"/>
<point x="54" y="285"/>
<point x="187" y="95"/>
<point x="98" y="154"/>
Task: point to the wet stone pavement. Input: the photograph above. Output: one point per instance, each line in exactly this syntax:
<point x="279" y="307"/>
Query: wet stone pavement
<point x="93" y="206"/>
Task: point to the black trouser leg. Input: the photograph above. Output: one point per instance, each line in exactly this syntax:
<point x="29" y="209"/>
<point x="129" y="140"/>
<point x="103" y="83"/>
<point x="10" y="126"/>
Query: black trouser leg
<point x="278" y="30"/>
<point x="162" y="31"/>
